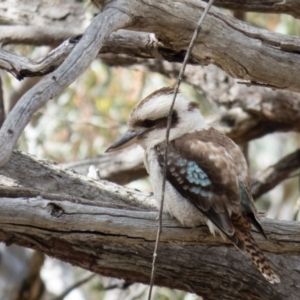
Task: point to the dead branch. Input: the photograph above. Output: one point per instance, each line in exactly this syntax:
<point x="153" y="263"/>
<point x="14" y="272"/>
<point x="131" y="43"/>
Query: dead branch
<point x="80" y="58"/>
<point x="273" y="53"/>
<point x="16" y="94"/>
<point x="72" y="227"/>
<point x="267" y="179"/>
<point x="32" y="174"/>
<point x="2" y="110"/>
<point x="70" y="13"/>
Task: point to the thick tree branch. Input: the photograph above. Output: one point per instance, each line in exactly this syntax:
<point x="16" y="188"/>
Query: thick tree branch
<point x="68" y="215"/>
<point x="274" y="50"/>
<point x="51" y="85"/>
<point x="76" y="231"/>
<point x="271" y="52"/>
<point x="30" y="173"/>
<point x="70" y="13"/>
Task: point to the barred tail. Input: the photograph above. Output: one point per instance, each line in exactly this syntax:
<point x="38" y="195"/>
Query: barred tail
<point x="246" y="242"/>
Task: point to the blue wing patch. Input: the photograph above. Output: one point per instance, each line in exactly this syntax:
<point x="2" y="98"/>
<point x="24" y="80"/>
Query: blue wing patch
<point x="196" y="175"/>
<point x="188" y="174"/>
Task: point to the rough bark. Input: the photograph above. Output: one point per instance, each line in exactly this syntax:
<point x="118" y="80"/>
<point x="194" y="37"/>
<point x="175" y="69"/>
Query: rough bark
<point x="71" y="12"/>
<point x="69" y="217"/>
<point x="273" y="53"/>
<point x="24" y="171"/>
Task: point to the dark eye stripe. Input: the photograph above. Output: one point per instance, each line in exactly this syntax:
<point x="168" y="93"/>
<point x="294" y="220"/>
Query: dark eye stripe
<point x="148" y="123"/>
<point x="160" y="123"/>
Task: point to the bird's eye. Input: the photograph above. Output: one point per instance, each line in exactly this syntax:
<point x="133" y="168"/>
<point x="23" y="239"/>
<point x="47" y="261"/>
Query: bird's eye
<point x="148" y="123"/>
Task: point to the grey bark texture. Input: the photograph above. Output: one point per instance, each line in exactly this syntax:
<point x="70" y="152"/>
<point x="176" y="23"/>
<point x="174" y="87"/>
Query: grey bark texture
<point x="72" y="217"/>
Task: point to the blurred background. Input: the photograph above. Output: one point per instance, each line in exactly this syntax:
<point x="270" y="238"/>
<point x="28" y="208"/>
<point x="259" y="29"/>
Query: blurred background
<point x="81" y="123"/>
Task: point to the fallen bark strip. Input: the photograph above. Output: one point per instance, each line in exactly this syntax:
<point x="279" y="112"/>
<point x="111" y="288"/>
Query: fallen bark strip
<point x="118" y="241"/>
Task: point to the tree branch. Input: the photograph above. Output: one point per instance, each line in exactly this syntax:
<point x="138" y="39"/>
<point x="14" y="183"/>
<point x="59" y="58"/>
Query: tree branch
<point x="267" y="179"/>
<point x="190" y="259"/>
<point x="2" y="110"/>
<point x="270" y="51"/>
<point x="70" y="13"/>
<point x="51" y="85"/>
<point x="36" y="35"/>
<point x="68" y="215"/>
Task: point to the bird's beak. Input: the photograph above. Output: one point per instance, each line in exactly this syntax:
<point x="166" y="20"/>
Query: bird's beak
<point x="124" y="141"/>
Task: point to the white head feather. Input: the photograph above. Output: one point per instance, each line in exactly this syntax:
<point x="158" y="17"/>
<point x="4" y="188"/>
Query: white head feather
<point x="156" y="106"/>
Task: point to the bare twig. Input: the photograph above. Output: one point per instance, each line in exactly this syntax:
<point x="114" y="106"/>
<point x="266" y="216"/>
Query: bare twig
<point x="267" y="179"/>
<point x="75" y="286"/>
<point x="2" y="111"/>
<point x="178" y="81"/>
<point x="36" y="35"/>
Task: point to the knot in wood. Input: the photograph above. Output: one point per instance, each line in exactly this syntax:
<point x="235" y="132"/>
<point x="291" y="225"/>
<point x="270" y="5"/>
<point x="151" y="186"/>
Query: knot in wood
<point x="55" y="210"/>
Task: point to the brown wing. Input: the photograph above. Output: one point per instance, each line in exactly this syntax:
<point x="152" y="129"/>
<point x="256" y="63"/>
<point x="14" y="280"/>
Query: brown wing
<point x="204" y="172"/>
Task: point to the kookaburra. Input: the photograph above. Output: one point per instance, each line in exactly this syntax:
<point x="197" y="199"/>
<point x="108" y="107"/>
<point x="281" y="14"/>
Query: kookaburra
<point x="207" y="178"/>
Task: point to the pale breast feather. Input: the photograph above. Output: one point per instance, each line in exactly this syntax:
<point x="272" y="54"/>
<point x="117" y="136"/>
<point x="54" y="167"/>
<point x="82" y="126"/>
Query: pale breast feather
<point x="202" y="173"/>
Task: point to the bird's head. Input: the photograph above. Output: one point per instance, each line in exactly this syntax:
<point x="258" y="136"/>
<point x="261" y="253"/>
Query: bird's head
<point x="148" y="120"/>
